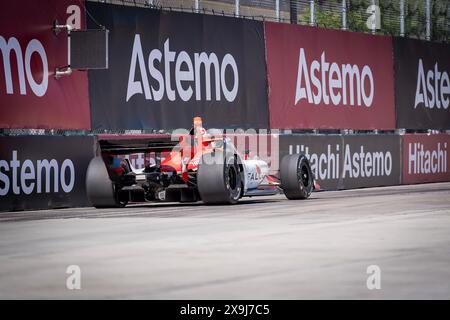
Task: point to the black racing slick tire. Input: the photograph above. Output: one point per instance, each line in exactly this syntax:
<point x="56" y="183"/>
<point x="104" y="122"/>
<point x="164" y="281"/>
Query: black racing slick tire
<point x="219" y="182"/>
<point x="297" y="180"/>
<point x="101" y="191"/>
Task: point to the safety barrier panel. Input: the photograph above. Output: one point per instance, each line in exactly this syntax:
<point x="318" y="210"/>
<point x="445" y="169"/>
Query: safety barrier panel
<point x="166" y="68"/>
<point x="422" y="84"/>
<point x="348" y="161"/>
<point x="40" y="172"/>
<point x="328" y="79"/>
<point x="425" y="158"/>
<point x="30" y="95"/>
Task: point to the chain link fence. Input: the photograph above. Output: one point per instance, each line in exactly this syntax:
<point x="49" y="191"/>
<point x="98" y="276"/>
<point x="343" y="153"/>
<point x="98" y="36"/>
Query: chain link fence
<point x="421" y="19"/>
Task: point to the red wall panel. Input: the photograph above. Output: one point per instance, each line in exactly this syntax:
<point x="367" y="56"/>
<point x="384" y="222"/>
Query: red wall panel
<point x="312" y="72"/>
<point x="425" y="158"/>
<point x="30" y="96"/>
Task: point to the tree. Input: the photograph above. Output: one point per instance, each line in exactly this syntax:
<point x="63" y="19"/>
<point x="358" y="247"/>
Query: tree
<point x="328" y="14"/>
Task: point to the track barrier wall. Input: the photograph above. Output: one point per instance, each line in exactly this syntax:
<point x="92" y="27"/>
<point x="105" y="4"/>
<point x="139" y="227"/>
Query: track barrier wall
<point x="167" y="67"/>
<point x="41" y="172"/>
<point x="348" y="161"/>
<point x="30" y="96"/>
<point x="422" y="82"/>
<point x="328" y="79"/>
<point x="425" y="158"/>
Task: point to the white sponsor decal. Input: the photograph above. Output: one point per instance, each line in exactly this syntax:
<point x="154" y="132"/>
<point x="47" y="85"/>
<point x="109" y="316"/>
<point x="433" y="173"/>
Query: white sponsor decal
<point x="325" y="82"/>
<point x="356" y="163"/>
<point x="366" y="164"/>
<point x="11" y="48"/>
<point x="187" y="74"/>
<point x="27" y="177"/>
<point x="34" y="46"/>
<point x="423" y="161"/>
<point x="255" y="170"/>
<point x="433" y="88"/>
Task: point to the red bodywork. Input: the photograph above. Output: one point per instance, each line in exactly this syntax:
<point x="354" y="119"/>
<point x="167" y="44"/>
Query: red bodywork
<point x="187" y="155"/>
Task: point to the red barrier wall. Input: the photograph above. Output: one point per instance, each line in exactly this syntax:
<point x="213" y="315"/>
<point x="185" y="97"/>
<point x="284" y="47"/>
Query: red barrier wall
<point x="425" y="158"/>
<point x="321" y="78"/>
<point x="30" y="96"/>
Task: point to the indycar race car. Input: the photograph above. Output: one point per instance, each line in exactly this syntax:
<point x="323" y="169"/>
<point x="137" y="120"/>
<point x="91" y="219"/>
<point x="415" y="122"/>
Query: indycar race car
<point x="196" y="166"/>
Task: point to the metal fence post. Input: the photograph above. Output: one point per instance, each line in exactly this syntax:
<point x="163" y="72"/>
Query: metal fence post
<point x="344" y="15"/>
<point x="312" y="19"/>
<point x="402" y="18"/>
<point x="197" y="6"/>
<point x="293" y="11"/>
<point x="236" y="8"/>
<point x="428" y="17"/>
<point x="277" y="10"/>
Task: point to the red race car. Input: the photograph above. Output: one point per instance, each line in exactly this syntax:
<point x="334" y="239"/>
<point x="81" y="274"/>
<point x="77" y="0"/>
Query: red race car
<point x="196" y="166"/>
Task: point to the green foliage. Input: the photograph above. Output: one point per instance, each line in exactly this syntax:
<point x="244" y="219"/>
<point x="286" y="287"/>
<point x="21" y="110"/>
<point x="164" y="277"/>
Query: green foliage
<point x="329" y="15"/>
<point x="356" y="19"/>
<point x="323" y="17"/>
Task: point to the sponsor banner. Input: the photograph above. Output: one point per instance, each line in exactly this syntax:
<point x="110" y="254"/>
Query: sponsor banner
<point x="167" y="67"/>
<point x="30" y="95"/>
<point x="371" y="160"/>
<point x="347" y="162"/>
<point x="422" y="82"/>
<point x="40" y="172"/>
<point x="328" y="79"/>
<point x="425" y="158"/>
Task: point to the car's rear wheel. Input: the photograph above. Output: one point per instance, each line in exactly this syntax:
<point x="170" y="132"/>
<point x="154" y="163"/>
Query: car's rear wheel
<point x="296" y="177"/>
<point x="219" y="178"/>
<point x="101" y="191"/>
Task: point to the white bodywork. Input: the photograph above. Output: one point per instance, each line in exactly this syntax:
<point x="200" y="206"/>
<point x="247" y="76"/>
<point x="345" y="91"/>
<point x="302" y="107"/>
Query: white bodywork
<point x="255" y="172"/>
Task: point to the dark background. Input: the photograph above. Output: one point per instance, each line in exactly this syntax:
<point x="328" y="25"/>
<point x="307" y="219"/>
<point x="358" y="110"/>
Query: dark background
<point x="375" y="143"/>
<point x="407" y="53"/>
<point x="78" y="149"/>
<point x="372" y="143"/>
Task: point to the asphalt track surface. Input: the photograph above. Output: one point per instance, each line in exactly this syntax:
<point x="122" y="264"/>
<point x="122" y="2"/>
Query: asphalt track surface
<point x="262" y="248"/>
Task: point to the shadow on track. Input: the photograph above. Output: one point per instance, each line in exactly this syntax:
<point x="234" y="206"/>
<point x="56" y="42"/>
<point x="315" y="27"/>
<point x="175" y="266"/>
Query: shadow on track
<point x="137" y="210"/>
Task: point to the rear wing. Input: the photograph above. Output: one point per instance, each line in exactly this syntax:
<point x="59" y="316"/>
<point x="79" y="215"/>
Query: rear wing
<point x="128" y="144"/>
<point x="146" y="143"/>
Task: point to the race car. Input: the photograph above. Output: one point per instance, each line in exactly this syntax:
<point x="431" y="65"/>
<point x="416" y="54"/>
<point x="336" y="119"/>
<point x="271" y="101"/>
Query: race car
<point x="197" y="166"/>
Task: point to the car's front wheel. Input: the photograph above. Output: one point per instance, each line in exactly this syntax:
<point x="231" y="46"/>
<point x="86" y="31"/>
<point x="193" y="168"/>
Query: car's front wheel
<point x="296" y="176"/>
